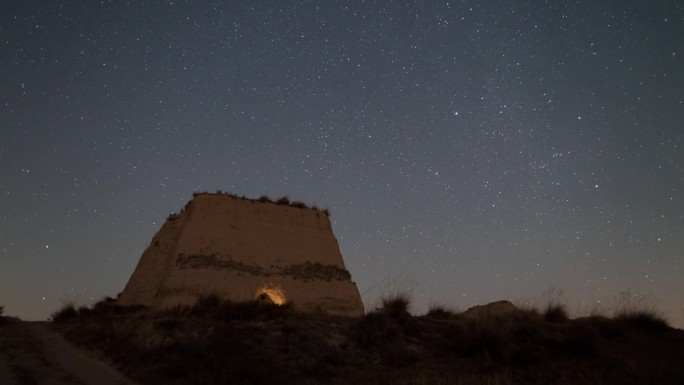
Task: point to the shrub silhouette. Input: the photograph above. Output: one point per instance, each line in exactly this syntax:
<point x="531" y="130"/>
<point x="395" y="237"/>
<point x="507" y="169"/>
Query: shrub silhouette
<point x="214" y="307"/>
<point x="440" y="312"/>
<point x="67" y="312"/>
<point x="396" y="306"/>
<point x="638" y="312"/>
<point x="375" y="329"/>
<point x="583" y="336"/>
<point x="646" y="320"/>
<point x="555" y="313"/>
<point x="284" y="200"/>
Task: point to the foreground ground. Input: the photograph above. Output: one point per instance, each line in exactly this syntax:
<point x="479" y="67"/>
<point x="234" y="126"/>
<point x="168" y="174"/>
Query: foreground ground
<point x="32" y="354"/>
<point x="219" y="342"/>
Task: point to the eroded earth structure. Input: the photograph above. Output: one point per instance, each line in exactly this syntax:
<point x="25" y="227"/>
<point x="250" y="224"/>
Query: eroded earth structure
<point x="244" y="249"/>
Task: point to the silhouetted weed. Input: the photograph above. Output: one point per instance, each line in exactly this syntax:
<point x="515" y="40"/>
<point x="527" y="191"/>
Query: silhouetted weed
<point x="439" y="312"/>
<point x="646" y="320"/>
<point x="555" y="313"/>
<point x="397" y="305"/>
<point x="67" y="312"/>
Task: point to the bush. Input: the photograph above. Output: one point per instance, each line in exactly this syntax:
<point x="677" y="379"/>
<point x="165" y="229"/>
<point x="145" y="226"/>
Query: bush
<point x="283" y="200"/>
<point x="648" y="320"/>
<point x="638" y="311"/>
<point x="214" y="307"/>
<point x="440" y="312"/>
<point x="206" y="305"/>
<point x="104" y="306"/>
<point x="506" y="338"/>
<point x="253" y="310"/>
<point x="606" y="327"/>
<point x="583" y="335"/>
<point x="375" y="329"/>
<point x="84" y="311"/>
<point x="396" y="306"/>
<point x="67" y="312"/>
<point x="2" y="310"/>
<point x="555" y="313"/>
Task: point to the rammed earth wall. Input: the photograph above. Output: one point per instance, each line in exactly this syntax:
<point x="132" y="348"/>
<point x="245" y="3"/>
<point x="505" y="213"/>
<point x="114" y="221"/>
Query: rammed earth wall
<point x="234" y="247"/>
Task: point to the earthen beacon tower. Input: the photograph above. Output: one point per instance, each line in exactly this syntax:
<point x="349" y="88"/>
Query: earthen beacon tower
<point x="244" y="249"/>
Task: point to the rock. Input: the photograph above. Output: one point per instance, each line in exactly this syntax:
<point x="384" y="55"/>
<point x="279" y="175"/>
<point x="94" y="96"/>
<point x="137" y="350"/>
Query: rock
<point x="491" y="309"/>
<point x="244" y="249"/>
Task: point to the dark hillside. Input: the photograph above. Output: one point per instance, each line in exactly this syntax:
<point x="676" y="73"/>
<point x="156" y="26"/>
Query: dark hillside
<point x="218" y="342"/>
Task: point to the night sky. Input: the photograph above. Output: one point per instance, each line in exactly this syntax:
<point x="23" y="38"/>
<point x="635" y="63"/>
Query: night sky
<point x="467" y="151"/>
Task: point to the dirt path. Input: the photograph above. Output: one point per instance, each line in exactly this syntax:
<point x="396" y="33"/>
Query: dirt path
<point x="32" y="354"/>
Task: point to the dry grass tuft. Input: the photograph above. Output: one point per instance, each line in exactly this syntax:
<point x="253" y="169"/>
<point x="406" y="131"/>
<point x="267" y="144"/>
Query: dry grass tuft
<point x="639" y="312"/>
<point x="284" y="200"/>
<point x="65" y="313"/>
<point x="215" y="308"/>
<point x="647" y="320"/>
<point x="375" y="329"/>
<point x="440" y="312"/>
<point x="396" y="305"/>
<point x="556" y="313"/>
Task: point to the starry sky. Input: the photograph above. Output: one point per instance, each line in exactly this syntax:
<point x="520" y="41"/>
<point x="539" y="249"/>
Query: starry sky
<point x="468" y="151"/>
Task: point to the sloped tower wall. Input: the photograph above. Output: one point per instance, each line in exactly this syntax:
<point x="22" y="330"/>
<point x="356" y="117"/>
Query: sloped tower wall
<point x="240" y="248"/>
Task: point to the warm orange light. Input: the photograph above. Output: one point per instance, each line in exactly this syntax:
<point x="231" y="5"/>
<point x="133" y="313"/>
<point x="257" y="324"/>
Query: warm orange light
<point x="271" y="293"/>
